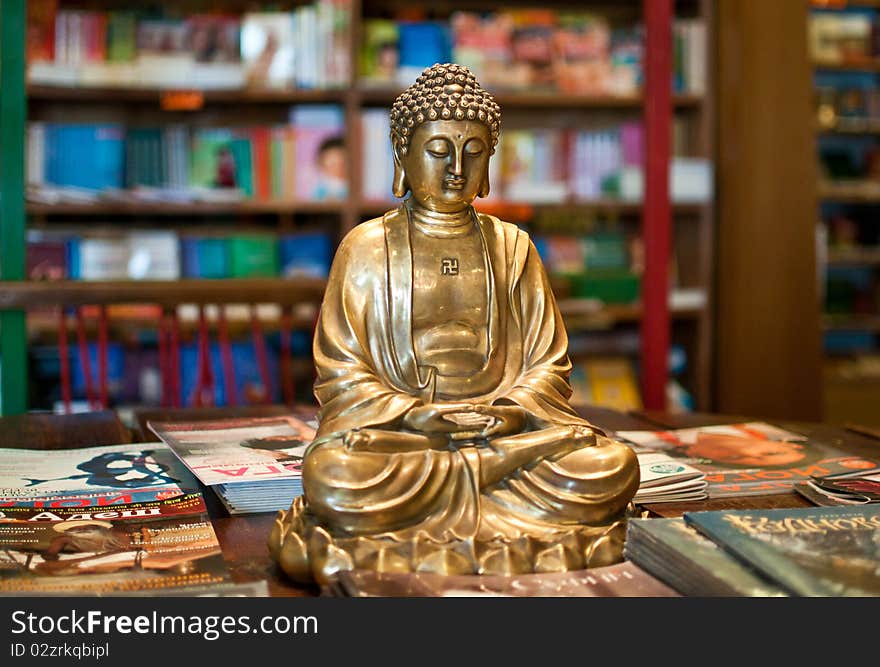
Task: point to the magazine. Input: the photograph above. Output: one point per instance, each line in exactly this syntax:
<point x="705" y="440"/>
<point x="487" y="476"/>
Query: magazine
<point x="253" y="464"/>
<point x="666" y="479"/>
<point x="146" y="546"/>
<point x="753" y="458"/>
<point x="620" y="580"/>
<point x="678" y="555"/>
<point x="835" y="491"/>
<point x="811" y="551"/>
<point x="106" y="475"/>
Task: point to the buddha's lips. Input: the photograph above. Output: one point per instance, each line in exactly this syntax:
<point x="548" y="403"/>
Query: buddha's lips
<point x="454" y="182"/>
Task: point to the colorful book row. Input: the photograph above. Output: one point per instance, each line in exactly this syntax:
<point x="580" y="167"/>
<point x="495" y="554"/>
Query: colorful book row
<point x="303" y="48"/>
<point x="304" y="160"/>
<point x="570" y="52"/>
<point x="158" y="255"/>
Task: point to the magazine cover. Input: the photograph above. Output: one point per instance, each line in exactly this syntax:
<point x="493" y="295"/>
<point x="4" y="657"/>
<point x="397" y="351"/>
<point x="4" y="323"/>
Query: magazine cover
<point x="751" y="458"/>
<point x="107" y="475"/>
<point x="141" y="546"/>
<point x="239" y="450"/>
<point x="822" y="551"/>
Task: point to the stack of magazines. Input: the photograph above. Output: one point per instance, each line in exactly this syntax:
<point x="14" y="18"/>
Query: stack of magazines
<point x="121" y="519"/>
<point x="667" y="480"/>
<point x="803" y="551"/>
<point x="253" y="464"/>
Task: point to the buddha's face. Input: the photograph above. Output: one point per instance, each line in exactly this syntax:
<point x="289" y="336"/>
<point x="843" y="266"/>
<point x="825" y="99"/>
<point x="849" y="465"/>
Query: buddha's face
<point x="447" y="164"/>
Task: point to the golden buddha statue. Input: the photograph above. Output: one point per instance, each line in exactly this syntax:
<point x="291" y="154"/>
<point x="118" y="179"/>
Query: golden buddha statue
<point x="445" y="440"/>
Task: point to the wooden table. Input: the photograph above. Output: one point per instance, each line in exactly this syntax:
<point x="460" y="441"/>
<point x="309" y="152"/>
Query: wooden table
<point x="243" y="538"/>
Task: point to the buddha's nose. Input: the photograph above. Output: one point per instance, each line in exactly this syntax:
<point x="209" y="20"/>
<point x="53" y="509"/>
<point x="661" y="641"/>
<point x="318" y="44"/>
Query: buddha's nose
<point x="455" y="165"/>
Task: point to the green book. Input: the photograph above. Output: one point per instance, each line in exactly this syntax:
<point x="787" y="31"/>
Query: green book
<point x="221" y="158"/>
<point x="121" y="36"/>
<point x="606" y="250"/>
<point x="808" y="551"/>
<point x="253" y="255"/>
<point x="606" y="285"/>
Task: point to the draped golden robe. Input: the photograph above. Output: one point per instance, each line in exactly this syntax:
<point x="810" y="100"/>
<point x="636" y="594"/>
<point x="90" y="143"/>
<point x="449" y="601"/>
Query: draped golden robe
<point x="369" y="376"/>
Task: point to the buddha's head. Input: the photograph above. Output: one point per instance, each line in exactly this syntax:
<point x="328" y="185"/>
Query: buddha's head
<point x="444" y="129"/>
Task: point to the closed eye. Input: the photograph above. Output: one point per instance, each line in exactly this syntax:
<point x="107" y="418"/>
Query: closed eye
<point x="437" y="148"/>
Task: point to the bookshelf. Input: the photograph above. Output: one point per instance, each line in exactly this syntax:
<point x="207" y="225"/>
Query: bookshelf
<point x="692" y="222"/>
<point x="847" y="122"/>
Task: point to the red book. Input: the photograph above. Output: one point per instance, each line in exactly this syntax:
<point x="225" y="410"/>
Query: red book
<point x="41" y="30"/>
<point x="261" y="138"/>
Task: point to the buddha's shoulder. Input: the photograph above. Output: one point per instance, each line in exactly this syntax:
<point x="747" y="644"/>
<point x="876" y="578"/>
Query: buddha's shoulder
<point x="508" y="229"/>
<point x="366" y="237"/>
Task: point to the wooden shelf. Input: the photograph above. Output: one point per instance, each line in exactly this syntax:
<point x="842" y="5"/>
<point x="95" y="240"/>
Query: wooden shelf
<point x="510" y="99"/>
<point x="167" y="293"/>
<point x="510" y="211"/>
<point x="548" y="100"/>
<point x="44" y="326"/>
<point x="863" y="256"/>
<point x="120" y="95"/>
<point x="851" y="127"/>
<point x="850" y="192"/>
<point x="584" y="314"/>
<point x="185" y="208"/>
<point x="851" y="322"/>
<point x="869" y="66"/>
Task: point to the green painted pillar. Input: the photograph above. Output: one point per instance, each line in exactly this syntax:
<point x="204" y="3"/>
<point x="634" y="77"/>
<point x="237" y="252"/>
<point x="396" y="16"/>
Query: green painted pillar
<point x="13" y="112"/>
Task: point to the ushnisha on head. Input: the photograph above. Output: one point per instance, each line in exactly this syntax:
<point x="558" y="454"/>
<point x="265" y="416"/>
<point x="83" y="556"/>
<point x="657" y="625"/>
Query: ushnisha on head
<point x="444" y="128"/>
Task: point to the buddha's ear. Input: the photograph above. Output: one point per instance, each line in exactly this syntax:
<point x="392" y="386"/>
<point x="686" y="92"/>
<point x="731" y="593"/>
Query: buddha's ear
<point x="399" y="186"/>
<point x="484" y="185"/>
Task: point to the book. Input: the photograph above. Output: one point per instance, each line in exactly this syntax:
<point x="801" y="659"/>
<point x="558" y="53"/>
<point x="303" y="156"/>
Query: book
<point x="41" y="16"/>
<point x="253" y="464"/>
<point x="268" y="44"/>
<point x="253" y="255"/>
<point x="692" y="564"/>
<point x="818" y="552"/>
<point x="145" y="546"/>
<point x="321" y="155"/>
<point x="213" y="38"/>
<point x="753" y="458"/>
<point x="379" y="56"/>
<point x="306" y="254"/>
<point x="620" y="580"/>
<point x="204" y="257"/>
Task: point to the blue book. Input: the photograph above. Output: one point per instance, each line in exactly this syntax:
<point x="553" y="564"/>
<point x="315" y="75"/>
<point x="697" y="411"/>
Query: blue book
<point x="72" y="246"/>
<point x="108" y="155"/>
<point x="205" y="257"/>
<point x="422" y="44"/>
<point x="808" y="551"/>
<point x="306" y="255"/>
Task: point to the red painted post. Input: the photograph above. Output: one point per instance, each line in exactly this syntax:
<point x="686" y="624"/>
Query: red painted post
<point x="657" y="218"/>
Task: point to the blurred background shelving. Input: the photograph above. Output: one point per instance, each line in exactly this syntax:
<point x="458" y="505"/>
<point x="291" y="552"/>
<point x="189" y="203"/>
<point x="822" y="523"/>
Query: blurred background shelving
<point x="845" y="51"/>
<point x="162" y="94"/>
